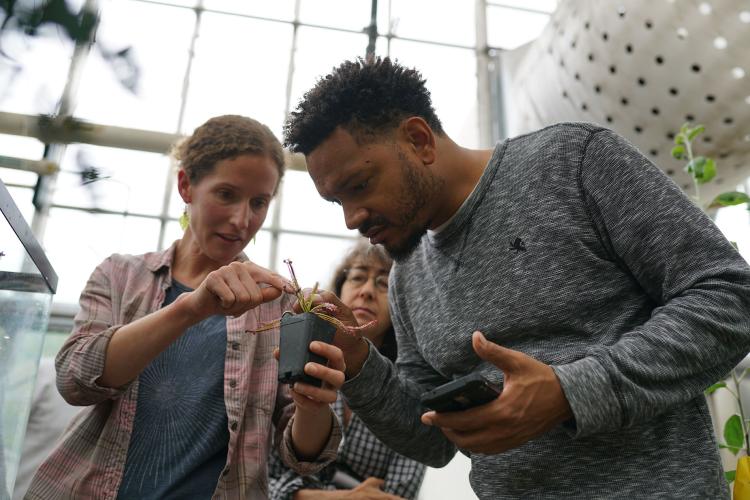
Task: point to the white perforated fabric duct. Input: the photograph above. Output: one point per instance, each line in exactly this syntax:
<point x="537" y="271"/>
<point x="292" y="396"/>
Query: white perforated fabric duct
<point x="642" y="68"/>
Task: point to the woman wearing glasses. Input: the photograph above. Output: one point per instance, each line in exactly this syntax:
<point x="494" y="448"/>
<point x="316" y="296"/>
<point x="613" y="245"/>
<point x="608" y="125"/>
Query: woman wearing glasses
<point x="364" y="468"/>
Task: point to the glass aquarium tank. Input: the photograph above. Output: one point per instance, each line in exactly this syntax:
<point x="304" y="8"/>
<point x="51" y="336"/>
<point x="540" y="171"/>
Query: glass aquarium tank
<point x="27" y="283"/>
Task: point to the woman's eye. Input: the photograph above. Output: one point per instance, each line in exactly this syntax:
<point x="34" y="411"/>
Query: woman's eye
<point x="260" y="203"/>
<point x="225" y="195"/>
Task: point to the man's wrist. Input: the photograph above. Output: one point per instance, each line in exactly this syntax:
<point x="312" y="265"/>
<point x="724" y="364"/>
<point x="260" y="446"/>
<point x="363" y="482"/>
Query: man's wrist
<point x="356" y="357"/>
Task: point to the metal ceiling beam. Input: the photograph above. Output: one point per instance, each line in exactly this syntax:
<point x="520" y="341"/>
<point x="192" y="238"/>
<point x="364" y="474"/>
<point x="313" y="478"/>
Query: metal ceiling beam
<point x="72" y="130"/>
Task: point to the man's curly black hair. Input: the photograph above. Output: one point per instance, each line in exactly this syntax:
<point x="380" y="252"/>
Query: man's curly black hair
<point x="366" y="97"/>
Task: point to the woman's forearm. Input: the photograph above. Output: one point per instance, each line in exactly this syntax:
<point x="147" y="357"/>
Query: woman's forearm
<point x="310" y="432"/>
<point x="318" y="494"/>
<point x="135" y="345"/>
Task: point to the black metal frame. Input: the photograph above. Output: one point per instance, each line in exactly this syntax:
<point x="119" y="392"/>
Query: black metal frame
<point x="24" y="281"/>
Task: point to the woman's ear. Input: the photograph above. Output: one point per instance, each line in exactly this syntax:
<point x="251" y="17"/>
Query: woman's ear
<point x="183" y="186"/>
<point x="420" y="135"/>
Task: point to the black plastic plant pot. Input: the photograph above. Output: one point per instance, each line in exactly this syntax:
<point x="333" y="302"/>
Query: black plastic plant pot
<point x="297" y="331"/>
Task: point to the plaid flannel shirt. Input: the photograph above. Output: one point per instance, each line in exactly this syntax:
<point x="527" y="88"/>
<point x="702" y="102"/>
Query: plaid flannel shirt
<point x="362" y="453"/>
<point x="89" y="461"/>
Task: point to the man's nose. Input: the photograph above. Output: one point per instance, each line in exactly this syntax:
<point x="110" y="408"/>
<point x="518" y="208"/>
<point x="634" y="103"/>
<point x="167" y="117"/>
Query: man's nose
<point x="354" y="216"/>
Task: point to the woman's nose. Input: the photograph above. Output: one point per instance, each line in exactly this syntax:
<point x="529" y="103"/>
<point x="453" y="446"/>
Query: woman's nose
<point x="368" y="287"/>
<point x="241" y="216"/>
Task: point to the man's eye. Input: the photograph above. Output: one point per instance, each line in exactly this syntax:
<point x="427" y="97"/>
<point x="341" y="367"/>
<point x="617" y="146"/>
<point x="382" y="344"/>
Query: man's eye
<point x="335" y="202"/>
<point x="361" y="186"/>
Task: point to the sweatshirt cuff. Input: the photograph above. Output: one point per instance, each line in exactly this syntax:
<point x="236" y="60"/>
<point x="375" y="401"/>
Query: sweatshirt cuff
<point x="328" y="455"/>
<point x="592" y="398"/>
<point x="363" y="390"/>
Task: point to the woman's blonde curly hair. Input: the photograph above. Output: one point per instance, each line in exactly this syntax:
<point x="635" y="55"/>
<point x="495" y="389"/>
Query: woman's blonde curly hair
<point x="222" y="138"/>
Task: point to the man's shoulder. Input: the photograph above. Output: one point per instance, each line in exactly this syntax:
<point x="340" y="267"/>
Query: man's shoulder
<point x="560" y="131"/>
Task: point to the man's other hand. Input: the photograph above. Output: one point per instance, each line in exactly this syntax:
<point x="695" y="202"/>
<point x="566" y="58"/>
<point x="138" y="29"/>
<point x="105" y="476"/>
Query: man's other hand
<point x="532" y="402"/>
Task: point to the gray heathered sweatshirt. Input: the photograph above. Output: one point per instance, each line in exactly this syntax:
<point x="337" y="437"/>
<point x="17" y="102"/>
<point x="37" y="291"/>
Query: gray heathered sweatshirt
<point x="576" y="250"/>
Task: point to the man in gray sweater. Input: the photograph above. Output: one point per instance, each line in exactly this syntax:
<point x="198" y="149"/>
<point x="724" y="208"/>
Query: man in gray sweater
<point x="606" y="301"/>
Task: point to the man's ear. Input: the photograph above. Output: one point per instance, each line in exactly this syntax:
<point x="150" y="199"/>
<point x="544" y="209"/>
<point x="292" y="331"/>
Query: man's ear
<point x="183" y="186"/>
<point x="421" y="137"/>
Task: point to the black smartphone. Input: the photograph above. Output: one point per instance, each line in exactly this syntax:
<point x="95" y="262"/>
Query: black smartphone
<point x="461" y="394"/>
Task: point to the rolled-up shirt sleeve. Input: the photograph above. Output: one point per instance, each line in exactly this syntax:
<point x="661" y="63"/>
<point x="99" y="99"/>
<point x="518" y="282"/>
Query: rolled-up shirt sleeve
<point x="328" y="455"/>
<point x="80" y="362"/>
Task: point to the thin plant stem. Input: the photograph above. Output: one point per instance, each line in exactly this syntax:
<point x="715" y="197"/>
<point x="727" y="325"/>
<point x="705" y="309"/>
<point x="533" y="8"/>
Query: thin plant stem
<point x="742" y="411"/>
<point x="689" y="151"/>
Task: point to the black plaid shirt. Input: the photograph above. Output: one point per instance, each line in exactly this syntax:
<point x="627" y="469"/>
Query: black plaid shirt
<point x="360" y="452"/>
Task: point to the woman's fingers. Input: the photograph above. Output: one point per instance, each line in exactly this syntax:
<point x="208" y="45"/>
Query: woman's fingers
<point x="215" y="284"/>
<point x="323" y="395"/>
<point x="240" y="286"/>
<point x="333" y="354"/>
<point x="255" y="297"/>
<point x="262" y="275"/>
<point x="331" y="375"/>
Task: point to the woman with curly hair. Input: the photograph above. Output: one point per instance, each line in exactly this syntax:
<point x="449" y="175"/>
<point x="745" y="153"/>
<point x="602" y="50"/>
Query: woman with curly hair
<point x="181" y="400"/>
<point x="365" y="468"/>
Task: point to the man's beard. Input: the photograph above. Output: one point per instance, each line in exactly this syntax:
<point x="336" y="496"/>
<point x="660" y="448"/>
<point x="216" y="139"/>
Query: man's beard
<point x="418" y="187"/>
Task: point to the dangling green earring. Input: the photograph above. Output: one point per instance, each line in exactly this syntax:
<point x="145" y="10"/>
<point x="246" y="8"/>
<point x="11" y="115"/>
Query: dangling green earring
<point x="184" y="219"/>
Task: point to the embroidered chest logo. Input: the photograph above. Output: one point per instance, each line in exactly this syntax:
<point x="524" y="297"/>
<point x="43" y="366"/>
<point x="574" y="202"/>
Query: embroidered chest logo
<point x="518" y="245"/>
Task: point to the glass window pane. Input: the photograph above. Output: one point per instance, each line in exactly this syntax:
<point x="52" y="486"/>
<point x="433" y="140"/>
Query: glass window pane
<point x="130" y="181"/>
<point x="22" y="147"/>
<point x="511" y="28"/>
<point x="160" y="39"/>
<point x="18" y="177"/>
<point x="302" y="208"/>
<point x="734" y="222"/>
<point x="278" y="9"/>
<point x="444" y="21"/>
<point x="240" y="67"/>
<point x="19" y="147"/>
<point x="318" y="52"/>
<point x="451" y="79"/>
<point x="347" y="14"/>
<point x="259" y="251"/>
<point x="33" y="75"/>
<point x="22" y="198"/>
<point x="543" y="5"/>
<point x="77" y="241"/>
<point x="314" y="258"/>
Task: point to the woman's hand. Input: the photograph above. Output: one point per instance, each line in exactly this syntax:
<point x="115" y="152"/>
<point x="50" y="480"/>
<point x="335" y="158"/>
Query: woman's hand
<point x="313" y="417"/>
<point x="311" y="399"/>
<point x="355" y="349"/>
<point x="234" y="289"/>
<point x="369" y="489"/>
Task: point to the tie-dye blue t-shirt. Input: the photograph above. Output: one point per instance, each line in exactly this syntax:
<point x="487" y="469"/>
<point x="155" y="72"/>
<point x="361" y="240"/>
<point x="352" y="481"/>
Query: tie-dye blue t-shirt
<point x="180" y="435"/>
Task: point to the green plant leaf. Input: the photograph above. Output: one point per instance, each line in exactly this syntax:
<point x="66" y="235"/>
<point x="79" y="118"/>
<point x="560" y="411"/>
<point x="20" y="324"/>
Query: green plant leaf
<point x="729" y="475"/>
<point x="702" y="169"/>
<point x="733" y="449"/>
<point x="734" y="434"/>
<point x="715" y="387"/>
<point x="685" y="127"/>
<point x="679" y="139"/>
<point x="729" y="199"/>
<point x="693" y="132"/>
<point x="678" y="152"/>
